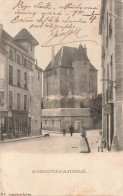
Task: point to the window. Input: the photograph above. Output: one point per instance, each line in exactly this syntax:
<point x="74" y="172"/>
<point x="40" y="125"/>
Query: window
<point x="31" y="65"/>
<point x="2" y="70"/>
<point x="18" y="77"/>
<point x="107" y="74"/>
<point x="22" y="60"/>
<point x="2" y="99"/>
<point x="18" y="59"/>
<point x="107" y="32"/>
<point x="52" y="122"/>
<point x="10" y="74"/>
<point x="10" y="99"/>
<point x="11" y="54"/>
<point x="18" y="101"/>
<point x="25" y="80"/>
<point x="25" y="102"/>
<point x="110" y="28"/>
<point x="30" y="98"/>
<point x="38" y="75"/>
<point x="25" y="62"/>
<point x="111" y="67"/>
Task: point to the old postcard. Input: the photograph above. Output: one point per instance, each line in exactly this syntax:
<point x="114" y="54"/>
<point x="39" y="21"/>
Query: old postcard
<point x="61" y="97"/>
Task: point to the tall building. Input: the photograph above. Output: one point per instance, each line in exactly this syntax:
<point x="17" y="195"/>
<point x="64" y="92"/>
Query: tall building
<point x="19" y="115"/>
<point x="67" y="79"/>
<point x="111" y="30"/>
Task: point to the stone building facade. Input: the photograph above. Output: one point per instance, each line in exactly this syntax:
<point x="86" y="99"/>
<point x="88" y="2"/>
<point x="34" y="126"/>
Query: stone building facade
<point x="68" y="78"/>
<point x="111" y="30"/>
<point x="17" y="69"/>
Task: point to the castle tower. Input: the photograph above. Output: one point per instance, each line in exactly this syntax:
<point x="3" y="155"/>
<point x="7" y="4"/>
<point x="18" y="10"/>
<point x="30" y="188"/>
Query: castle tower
<point x="81" y="75"/>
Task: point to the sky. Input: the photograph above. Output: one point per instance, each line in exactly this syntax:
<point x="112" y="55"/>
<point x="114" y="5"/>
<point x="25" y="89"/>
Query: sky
<point x="43" y="54"/>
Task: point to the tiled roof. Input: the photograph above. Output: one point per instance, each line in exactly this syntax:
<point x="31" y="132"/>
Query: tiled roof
<point x="8" y="38"/>
<point x="64" y="57"/>
<point x="25" y="35"/>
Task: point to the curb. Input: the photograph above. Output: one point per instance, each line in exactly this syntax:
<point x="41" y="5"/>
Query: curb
<point x="20" y="139"/>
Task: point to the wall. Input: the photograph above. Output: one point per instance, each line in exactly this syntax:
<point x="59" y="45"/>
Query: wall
<point x="66" y="86"/>
<point x="119" y="69"/>
<point x="93" y="81"/>
<point x="35" y="89"/>
<point x="57" y="119"/>
<point x="3" y="74"/>
<point x="52" y="88"/>
<point x="81" y="79"/>
<point x="14" y="88"/>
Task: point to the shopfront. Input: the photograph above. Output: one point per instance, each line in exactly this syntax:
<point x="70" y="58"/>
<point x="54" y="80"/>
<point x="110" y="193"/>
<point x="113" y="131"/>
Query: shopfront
<point x="14" y="124"/>
<point x="18" y="124"/>
<point x="3" y="124"/>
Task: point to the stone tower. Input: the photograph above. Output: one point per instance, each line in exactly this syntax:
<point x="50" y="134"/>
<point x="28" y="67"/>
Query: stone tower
<point x="81" y="67"/>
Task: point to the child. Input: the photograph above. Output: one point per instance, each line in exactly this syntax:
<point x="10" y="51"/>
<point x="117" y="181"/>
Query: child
<point x="100" y="142"/>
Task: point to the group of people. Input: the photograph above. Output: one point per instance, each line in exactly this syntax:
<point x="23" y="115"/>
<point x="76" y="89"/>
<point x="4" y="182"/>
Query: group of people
<point x="71" y="131"/>
<point x="84" y="144"/>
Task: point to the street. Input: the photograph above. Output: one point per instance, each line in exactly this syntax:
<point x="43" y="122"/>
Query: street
<point x="18" y="159"/>
<point x="55" y="143"/>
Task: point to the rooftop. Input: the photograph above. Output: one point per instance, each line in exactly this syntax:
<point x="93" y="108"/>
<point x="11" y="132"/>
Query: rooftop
<point x="66" y="55"/>
<point x="25" y="35"/>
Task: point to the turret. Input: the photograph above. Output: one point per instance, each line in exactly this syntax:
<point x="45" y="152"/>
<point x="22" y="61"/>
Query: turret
<point x="81" y="75"/>
<point x="27" y="41"/>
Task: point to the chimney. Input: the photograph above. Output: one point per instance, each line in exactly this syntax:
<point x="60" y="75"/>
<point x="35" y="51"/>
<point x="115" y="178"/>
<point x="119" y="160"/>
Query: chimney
<point x="53" y="54"/>
<point x="1" y="28"/>
<point x="85" y="48"/>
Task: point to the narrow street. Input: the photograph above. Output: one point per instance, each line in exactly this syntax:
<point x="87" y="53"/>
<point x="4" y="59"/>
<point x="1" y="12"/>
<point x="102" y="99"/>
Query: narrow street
<point x="55" y="143"/>
<point x="19" y="159"/>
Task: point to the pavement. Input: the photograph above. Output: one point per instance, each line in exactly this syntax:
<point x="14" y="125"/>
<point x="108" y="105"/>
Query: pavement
<point x="21" y="163"/>
<point x="55" y="143"/>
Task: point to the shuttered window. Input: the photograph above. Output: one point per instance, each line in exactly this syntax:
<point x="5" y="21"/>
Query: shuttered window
<point x="10" y="74"/>
<point x="25" y="102"/>
<point x="10" y="99"/>
<point x="18" y="77"/>
<point x="18" y="101"/>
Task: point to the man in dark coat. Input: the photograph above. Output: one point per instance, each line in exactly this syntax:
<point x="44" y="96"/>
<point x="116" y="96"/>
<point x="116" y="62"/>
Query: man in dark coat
<point x="71" y="130"/>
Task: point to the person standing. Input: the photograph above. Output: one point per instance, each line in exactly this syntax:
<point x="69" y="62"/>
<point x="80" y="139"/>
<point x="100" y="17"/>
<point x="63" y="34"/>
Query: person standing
<point x="84" y="145"/>
<point x="71" y="130"/>
<point x="64" y="131"/>
<point x="82" y="129"/>
<point x="100" y="142"/>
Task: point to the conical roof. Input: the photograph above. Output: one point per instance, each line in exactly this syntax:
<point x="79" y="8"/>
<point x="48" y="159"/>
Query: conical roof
<point x="80" y="54"/>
